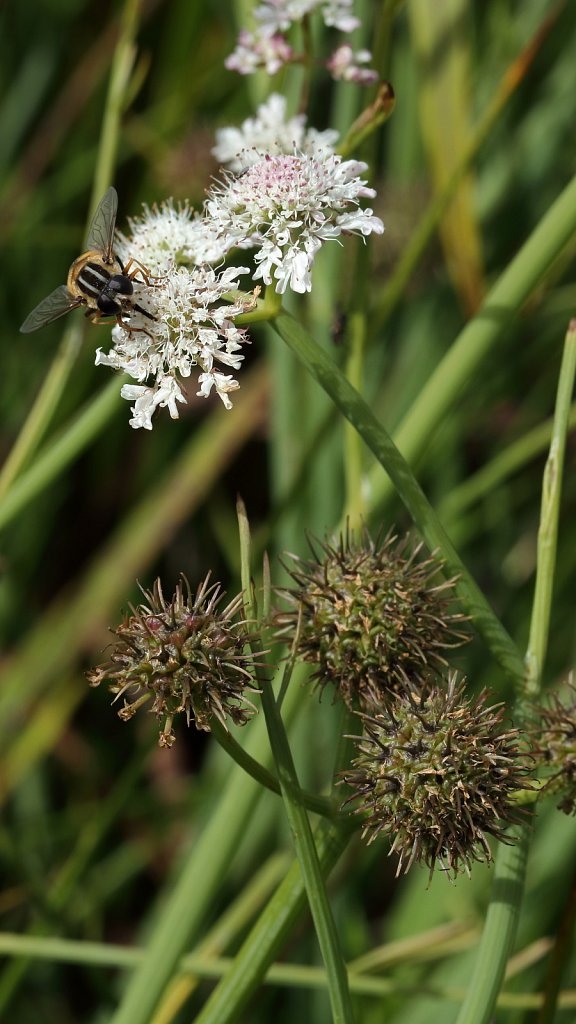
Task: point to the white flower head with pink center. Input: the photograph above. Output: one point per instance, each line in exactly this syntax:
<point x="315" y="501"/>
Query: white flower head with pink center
<point x="270" y="131"/>
<point x="193" y="328"/>
<point x="286" y="207"/>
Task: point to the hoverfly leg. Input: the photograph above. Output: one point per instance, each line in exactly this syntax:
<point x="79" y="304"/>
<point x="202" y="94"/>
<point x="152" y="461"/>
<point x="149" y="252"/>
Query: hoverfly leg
<point x="127" y="326"/>
<point x="147" y="277"/>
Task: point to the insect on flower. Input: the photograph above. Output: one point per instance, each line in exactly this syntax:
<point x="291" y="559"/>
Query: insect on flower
<point x="97" y="279"/>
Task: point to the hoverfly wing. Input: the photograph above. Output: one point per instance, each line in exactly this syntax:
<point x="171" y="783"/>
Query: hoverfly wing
<point x="54" y="305"/>
<point x="101" y="233"/>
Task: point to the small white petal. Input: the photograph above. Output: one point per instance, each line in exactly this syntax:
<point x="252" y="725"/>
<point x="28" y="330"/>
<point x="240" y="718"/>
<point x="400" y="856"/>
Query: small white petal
<point x="193" y="330"/>
<point x="286" y="207"/>
<point x="270" y="131"/>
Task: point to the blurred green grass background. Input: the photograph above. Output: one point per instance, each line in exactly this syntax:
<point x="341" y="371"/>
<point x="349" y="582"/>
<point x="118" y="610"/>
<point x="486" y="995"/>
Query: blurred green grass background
<point x="95" y="820"/>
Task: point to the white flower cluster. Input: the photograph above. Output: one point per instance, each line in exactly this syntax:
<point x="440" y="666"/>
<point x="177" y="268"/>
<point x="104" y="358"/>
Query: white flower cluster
<point x="286" y="207"/>
<point x="292" y="195"/>
<point x="168" y="236"/>
<point x="192" y="328"/>
<point x="270" y="132"/>
<point x="268" y="48"/>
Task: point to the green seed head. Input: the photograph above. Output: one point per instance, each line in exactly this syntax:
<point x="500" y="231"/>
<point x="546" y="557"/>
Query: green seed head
<point x="557" y="748"/>
<point x="436" y="772"/>
<point x="188" y="655"/>
<point x="368" y="614"/>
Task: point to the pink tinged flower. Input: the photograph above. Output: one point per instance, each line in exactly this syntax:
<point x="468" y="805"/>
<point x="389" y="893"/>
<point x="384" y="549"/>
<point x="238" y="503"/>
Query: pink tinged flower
<point x="286" y="207"/>
<point x="344" y="64"/>
<point x="260" y="49"/>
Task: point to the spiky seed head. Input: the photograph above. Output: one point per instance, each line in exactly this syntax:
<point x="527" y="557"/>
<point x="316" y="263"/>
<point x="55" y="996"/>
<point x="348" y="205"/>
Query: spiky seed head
<point x="189" y="655"/>
<point x="556" y="747"/>
<point x="369" y="613"/>
<point x="437" y="773"/>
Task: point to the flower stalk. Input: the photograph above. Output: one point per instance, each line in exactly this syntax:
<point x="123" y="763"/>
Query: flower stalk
<point x="357" y="412"/>
<point x="297" y="816"/>
<point x="502" y="917"/>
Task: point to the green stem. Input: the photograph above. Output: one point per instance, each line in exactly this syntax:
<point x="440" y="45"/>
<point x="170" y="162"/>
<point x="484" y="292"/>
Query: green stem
<point x="74" y="439"/>
<point x="373" y="433"/>
<point x="270" y="933"/>
<point x="67" y="878"/>
<point x="457" y="369"/>
<point x="418" y="243"/>
<point x="317" y="804"/>
<point x="234" y="921"/>
<point x="499" y="930"/>
<point x="502" y="918"/>
<point x="509" y="461"/>
<point x="120" y="72"/>
<point x="55" y="382"/>
<point x="297" y="816"/>
<point x="309" y="862"/>
<point x="559" y="959"/>
<point x="208" y="862"/>
<point x="204" y="965"/>
<point x="549" y="514"/>
<point x="264" y="310"/>
<point x="356" y="336"/>
<point x="41" y="412"/>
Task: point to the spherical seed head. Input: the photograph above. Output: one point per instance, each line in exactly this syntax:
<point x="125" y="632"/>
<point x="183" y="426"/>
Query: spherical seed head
<point x="367" y="614"/>
<point x="557" y="747"/>
<point x="188" y="654"/>
<point x="437" y="772"/>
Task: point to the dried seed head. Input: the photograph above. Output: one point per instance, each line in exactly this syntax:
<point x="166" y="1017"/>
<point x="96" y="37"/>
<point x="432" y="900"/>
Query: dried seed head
<point x="367" y="614"/>
<point x="188" y="655"/>
<point x="437" y="772"/>
<point x="557" y="747"/>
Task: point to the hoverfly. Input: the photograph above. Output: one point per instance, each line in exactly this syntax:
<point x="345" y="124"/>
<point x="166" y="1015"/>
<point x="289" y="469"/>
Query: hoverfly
<point x="97" y="279"/>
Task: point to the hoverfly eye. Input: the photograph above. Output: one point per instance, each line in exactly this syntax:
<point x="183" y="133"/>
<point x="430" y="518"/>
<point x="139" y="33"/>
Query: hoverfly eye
<point x="121" y="284"/>
<point x="108" y="306"/>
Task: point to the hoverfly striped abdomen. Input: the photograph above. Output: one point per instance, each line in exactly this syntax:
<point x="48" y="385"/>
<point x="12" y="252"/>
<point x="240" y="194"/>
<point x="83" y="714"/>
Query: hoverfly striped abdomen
<point x="92" y="280"/>
<point x="98" y="284"/>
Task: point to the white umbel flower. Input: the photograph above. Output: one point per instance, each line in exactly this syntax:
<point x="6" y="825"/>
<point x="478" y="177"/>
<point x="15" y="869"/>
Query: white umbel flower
<point x="270" y="131"/>
<point x="193" y="328"/>
<point x="286" y="207"/>
<point x="168" y="235"/>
